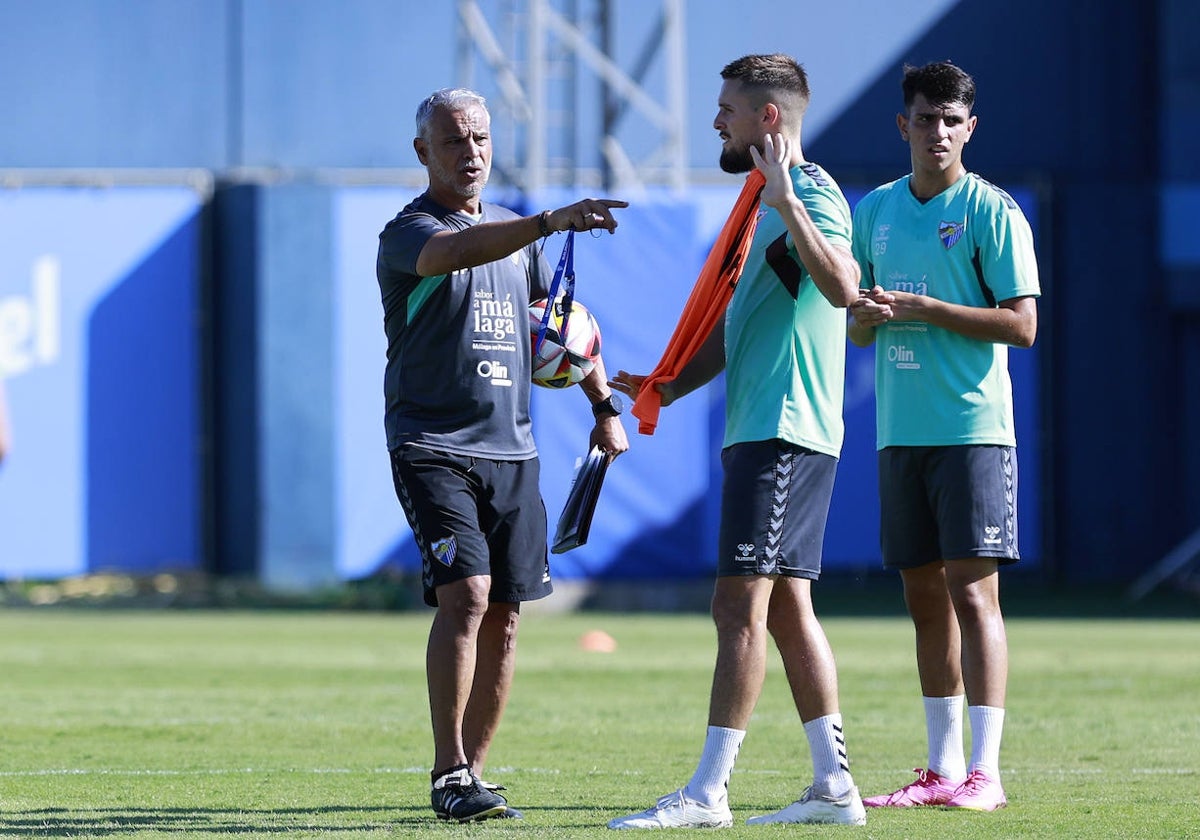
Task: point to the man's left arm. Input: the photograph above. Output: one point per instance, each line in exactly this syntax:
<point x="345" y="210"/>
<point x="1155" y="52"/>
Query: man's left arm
<point x="1012" y="321"/>
<point x="607" y="433"/>
<point x="832" y="267"/>
<point x="1008" y="264"/>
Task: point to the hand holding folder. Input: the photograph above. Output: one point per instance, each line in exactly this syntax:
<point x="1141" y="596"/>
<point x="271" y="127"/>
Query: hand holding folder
<point x="576" y="517"/>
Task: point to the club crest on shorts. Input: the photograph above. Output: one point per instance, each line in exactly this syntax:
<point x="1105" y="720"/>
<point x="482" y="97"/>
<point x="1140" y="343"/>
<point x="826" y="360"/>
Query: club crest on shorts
<point x="444" y="550"/>
<point x="950" y="233"/>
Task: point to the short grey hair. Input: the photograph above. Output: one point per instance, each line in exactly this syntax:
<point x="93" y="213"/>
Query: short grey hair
<point x="452" y="99"/>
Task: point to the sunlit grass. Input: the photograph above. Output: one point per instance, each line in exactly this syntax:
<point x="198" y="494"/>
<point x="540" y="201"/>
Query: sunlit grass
<point x="209" y="724"/>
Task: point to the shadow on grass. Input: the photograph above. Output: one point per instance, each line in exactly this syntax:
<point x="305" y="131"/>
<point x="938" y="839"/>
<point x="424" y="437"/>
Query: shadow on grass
<point x="879" y="593"/>
<point x="105" y="822"/>
<point x="1022" y="595"/>
<point x="865" y="592"/>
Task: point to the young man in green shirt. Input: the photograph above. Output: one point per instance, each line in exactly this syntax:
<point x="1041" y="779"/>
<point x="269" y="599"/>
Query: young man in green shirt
<point x="949" y="282"/>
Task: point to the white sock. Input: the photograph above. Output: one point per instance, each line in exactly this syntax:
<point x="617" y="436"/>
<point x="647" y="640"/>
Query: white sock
<point x="987" y="726"/>
<point x="944" y="732"/>
<point x="831" y="767"/>
<point x="710" y="783"/>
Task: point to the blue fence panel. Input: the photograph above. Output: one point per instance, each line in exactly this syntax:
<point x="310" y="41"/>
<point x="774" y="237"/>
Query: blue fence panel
<point x="99" y="294"/>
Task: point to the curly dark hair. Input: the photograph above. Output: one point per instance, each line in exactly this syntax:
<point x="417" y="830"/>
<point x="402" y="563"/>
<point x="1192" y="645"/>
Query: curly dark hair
<point x="940" y="82"/>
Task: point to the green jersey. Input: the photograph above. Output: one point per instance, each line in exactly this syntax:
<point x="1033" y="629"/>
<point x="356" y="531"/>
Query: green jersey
<point x="968" y="245"/>
<point x="785" y="343"/>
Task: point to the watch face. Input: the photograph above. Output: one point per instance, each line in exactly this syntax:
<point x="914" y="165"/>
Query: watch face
<point x="609" y="405"/>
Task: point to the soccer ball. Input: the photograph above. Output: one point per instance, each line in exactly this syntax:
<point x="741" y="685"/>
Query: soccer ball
<point x="564" y="358"/>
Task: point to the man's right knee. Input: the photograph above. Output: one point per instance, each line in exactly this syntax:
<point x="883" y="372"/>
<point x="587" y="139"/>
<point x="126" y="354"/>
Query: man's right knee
<point x="466" y="598"/>
<point x="926" y="596"/>
<point x="740" y="604"/>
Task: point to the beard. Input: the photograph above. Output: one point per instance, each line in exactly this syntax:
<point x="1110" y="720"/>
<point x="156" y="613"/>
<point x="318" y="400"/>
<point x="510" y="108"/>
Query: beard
<point x="444" y="176"/>
<point x="736" y="161"/>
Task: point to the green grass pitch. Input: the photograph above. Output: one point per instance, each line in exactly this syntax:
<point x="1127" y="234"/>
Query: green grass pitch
<point x="218" y="724"/>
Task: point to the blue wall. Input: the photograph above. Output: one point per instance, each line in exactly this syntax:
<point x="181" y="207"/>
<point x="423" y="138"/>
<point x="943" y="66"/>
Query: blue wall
<point x="100" y="302"/>
<point x="126" y="83"/>
<point x="1101" y="110"/>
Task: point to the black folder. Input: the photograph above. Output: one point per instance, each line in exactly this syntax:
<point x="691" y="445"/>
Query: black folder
<point x="576" y="517"/>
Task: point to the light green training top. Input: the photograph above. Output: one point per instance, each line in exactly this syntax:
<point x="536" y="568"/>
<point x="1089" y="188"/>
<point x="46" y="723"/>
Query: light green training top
<point x="968" y="245"/>
<point x="785" y="343"/>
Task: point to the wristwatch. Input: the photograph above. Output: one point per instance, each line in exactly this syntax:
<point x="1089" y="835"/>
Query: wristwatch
<point x="610" y="406"/>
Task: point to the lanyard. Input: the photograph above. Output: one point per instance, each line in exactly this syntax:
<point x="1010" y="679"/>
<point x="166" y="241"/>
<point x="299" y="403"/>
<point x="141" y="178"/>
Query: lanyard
<point x="564" y="274"/>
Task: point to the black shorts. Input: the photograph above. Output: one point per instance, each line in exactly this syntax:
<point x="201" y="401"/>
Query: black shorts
<point x="471" y="516"/>
<point x="774" y="504"/>
<point x="947" y="503"/>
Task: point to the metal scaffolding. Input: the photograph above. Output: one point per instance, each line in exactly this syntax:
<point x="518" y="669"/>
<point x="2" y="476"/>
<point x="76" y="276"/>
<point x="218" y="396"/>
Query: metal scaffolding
<point x="563" y="106"/>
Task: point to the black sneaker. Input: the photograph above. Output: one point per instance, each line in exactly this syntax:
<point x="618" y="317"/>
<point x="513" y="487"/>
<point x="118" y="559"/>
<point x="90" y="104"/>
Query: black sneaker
<point x="512" y="813"/>
<point x="457" y="795"/>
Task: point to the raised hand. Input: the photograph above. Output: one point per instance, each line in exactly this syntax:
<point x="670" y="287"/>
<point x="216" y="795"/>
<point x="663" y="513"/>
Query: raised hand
<point x="627" y="383"/>
<point x="773" y="164"/>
